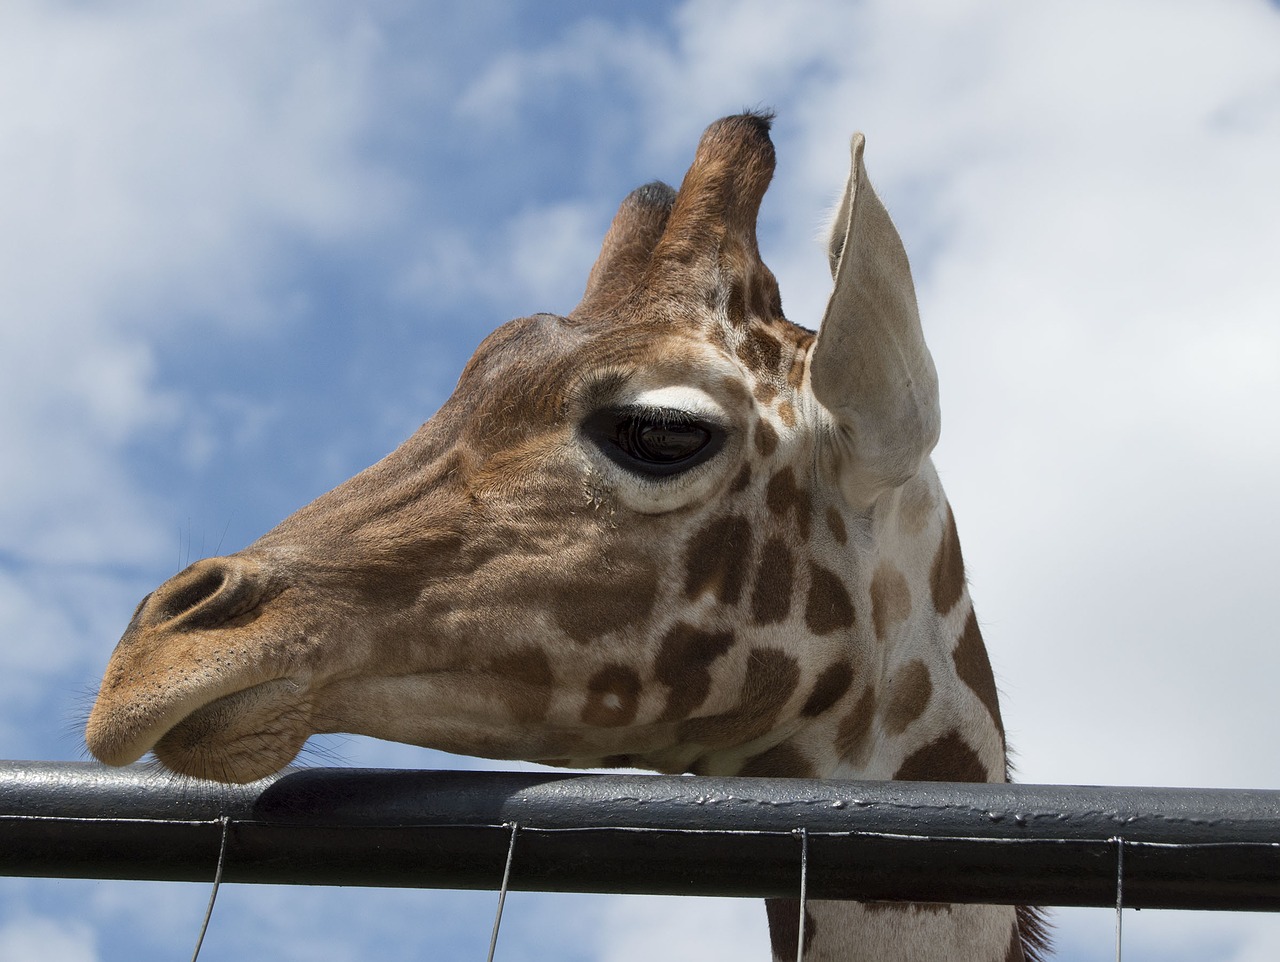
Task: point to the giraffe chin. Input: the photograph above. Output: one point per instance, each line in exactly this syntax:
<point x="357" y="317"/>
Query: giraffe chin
<point x="240" y="737"/>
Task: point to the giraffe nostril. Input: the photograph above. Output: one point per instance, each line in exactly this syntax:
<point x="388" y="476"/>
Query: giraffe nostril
<point x="192" y="594"/>
<point x="207" y="594"/>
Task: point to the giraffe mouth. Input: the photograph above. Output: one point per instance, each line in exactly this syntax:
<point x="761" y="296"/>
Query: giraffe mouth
<point x="240" y="737"/>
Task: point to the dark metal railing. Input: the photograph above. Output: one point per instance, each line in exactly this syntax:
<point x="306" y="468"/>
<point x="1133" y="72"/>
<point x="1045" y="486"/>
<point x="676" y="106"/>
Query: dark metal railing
<point x="935" y="842"/>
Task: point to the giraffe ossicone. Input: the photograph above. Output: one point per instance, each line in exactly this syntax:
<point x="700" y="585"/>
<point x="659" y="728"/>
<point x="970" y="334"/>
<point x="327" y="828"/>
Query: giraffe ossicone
<point x="670" y="530"/>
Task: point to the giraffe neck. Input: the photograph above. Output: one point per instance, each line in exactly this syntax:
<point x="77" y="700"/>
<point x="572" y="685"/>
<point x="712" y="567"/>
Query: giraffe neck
<point x="876" y="669"/>
<point x="895" y="932"/>
<point x="927" y="711"/>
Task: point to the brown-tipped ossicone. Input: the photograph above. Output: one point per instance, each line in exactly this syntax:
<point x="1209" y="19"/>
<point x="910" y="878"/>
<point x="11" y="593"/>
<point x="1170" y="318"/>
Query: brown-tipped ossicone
<point x="627" y="248"/>
<point x="710" y="236"/>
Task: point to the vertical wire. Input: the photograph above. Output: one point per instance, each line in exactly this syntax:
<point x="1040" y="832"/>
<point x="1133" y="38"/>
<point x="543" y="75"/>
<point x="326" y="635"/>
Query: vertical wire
<point x="502" y="892"/>
<point x="804" y="891"/>
<point x="1119" y="893"/>
<point x="217" y="881"/>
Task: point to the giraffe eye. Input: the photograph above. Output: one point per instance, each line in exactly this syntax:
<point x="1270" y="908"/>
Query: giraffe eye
<point x="661" y="443"/>
<point x="658" y="442"/>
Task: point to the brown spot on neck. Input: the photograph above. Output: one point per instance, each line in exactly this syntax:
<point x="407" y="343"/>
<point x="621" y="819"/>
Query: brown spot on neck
<point x="524" y="678"/>
<point x="716" y="559"/>
<point x="828" y="607"/>
<point x="783" y="495"/>
<point x="795" y="376"/>
<point x="760" y="352"/>
<point x="890" y="599"/>
<point x="613" y="695"/>
<point x="829" y="688"/>
<point x="766" y="438"/>
<point x="946" y="579"/>
<point x="775" y="582"/>
<point x="587" y="607"/>
<point x="909" y="694"/>
<point x="1015" y="952"/>
<point x="765" y="392"/>
<point x="784" y="928"/>
<point x="853" y="735"/>
<point x="974" y="668"/>
<point x="683" y="665"/>
<point x="947" y="758"/>
<point x="771" y="678"/>
<point x="783" y="760"/>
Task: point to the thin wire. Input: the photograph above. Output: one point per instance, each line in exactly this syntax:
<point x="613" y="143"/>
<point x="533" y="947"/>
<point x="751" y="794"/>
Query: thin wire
<point x="1268" y="847"/>
<point x="502" y="892"/>
<point x="804" y="891"/>
<point x="217" y="880"/>
<point x="1119" y="893"/>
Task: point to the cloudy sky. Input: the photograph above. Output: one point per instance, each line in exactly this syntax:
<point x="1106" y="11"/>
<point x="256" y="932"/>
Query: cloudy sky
<point x="245" y="249"/>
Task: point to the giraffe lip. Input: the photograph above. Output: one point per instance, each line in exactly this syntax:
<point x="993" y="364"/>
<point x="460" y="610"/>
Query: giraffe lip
<point x="121" y="737"/>
<point x="241" y="736"/>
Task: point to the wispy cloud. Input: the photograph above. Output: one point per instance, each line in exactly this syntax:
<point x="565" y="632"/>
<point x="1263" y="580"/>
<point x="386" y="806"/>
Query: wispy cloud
<point x="636" y="928"/>
<point x="55" y="940"/>
<point x="158" y="165"/>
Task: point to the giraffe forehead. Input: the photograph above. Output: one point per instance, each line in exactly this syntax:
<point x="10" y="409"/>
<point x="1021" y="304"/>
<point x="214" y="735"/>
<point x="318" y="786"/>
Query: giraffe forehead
<point x="536" y="372"/>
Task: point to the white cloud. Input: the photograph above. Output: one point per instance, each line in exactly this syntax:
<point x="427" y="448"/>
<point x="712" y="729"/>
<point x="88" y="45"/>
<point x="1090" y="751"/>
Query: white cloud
<point x="533" y="261"/>
<point x="547" y="248"/>
<point x="589" y="51"/>
<point x="1088" y="935"/>
<point x="46" y="939"/>
<point x="155" y="161"/>
<point x="153" y="917"/>
<point x="637" y="928"/>
<point x="154" y="144"/>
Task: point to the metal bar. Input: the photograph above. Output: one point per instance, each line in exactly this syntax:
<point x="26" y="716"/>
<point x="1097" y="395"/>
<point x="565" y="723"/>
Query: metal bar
<point x="935" y="842"/>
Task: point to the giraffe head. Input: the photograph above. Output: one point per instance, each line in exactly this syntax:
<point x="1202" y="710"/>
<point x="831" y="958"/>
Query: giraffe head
<point x="654" y="532"/>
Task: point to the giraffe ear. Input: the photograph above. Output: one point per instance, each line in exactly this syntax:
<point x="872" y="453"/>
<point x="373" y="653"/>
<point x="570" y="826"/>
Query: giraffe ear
<point x="627" y="248"/>
<point x="871" y="369"/>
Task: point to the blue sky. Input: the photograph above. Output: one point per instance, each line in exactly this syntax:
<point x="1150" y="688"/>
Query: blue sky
<point x="245" y="250"/>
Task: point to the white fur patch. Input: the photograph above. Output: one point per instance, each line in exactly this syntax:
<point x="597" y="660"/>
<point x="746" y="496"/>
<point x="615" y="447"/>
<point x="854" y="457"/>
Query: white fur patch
<point x="682" y="397"/>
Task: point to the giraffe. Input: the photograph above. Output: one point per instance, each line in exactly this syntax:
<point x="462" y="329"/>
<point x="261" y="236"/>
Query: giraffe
<point x="669" y="530"/>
